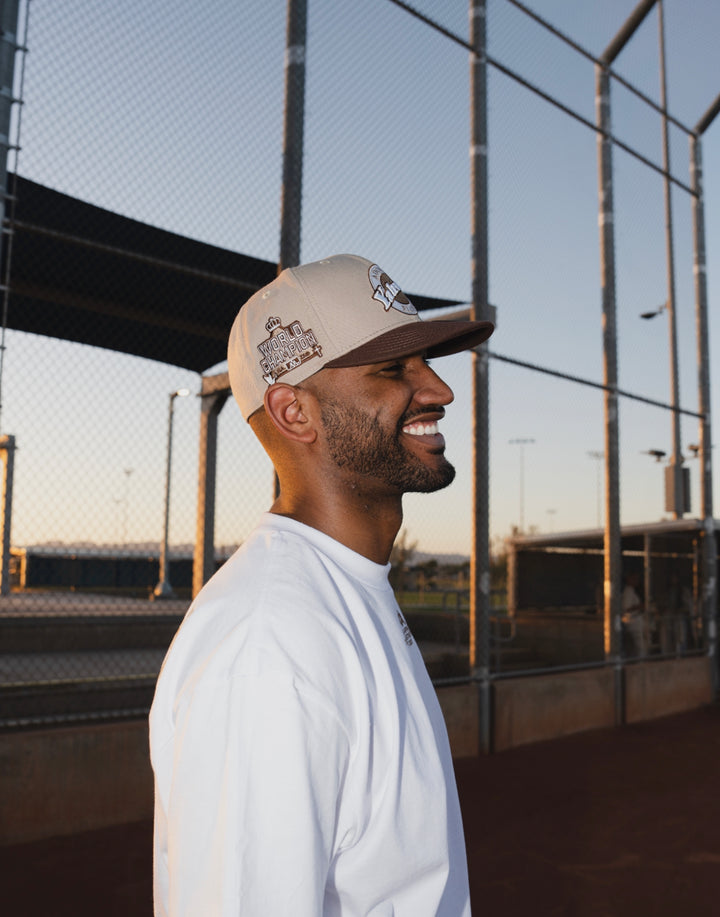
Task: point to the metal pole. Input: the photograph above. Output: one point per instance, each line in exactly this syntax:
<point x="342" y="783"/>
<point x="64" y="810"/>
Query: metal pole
<point x="648" y="581"/>
<point x="675" y="498"/>
<point x="293" y="144"/>
<point x="290" y="220"/>
<point x="612" y="549"/>
<point x="522" y="442"/>
<point x="214" y="394"/>
<point x="612" y="542"/>
<point x="480" y="561"/>
<point x="8" y="48"/>
<point x="631" y="25"/>
<point x="598" y="456"/>
<point x="126" y="502"/>
<point x="708" y="546"/>
<point x="164" y="590"/>
<point x="7" y="451"/>
<point x="522" y="489"/>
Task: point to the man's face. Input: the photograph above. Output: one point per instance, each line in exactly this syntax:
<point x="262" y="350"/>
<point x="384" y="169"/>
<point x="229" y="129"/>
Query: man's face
<point x="380" y="423"/>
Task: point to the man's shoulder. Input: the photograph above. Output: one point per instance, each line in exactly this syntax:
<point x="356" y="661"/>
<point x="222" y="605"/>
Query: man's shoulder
<point x="272" y="559"/>
<point x="277" y="588"/>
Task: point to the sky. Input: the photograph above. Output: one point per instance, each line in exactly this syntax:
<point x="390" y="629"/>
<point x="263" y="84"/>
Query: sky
<point x="172" y="116"/>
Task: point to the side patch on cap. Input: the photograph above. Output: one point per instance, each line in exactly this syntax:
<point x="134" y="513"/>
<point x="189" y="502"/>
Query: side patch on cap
<point x="288" y="347"/>
<point x="388" y="293"/>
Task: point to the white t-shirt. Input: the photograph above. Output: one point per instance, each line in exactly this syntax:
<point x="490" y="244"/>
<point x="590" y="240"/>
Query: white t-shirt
<point x="301" y="761"/>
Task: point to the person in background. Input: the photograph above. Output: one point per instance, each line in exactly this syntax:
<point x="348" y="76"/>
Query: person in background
<point x="633" y="616"/>
<point x="302" y="765"/>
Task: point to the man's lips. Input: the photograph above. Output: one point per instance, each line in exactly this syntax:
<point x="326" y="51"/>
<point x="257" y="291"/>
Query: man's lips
<point x="425" y="432"/>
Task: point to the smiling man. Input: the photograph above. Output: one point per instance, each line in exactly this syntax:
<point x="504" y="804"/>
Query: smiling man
<point x="301" y="761"/>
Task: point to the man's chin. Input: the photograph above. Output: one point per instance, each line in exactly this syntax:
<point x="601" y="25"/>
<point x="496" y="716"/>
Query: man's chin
<point x="433" y="480"/>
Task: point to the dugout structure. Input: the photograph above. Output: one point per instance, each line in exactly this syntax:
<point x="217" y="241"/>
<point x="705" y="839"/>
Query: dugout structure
<point x="555" y="589"/>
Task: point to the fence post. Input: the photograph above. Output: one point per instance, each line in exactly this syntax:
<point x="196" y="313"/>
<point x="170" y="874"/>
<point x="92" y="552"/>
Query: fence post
<point x="214" y="394"/>
<point x="612" y="539"/>
<point x="7" y="455"/>
<point x="480" y="560"/>
<point x="676" y="499"/>
<point x="8" y="47"/>
<point x="290" y="220"/>
<point x="612" y="551"/>
<point x="708" y="541"/>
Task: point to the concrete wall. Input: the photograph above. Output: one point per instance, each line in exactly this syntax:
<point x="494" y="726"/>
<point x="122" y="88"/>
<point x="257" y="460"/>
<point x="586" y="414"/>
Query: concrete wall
<point x="460" y="707"/>
<point x="665" y="687"/>
<point x="55" y="782"/>
<point x="548" y="706"/>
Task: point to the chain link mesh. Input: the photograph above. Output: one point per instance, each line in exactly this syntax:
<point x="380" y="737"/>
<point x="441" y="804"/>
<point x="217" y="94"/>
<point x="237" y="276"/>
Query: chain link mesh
<point x="171" y="115"/>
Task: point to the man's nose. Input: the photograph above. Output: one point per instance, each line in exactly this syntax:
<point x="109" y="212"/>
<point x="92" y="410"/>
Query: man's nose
<point x="432" y="389"/>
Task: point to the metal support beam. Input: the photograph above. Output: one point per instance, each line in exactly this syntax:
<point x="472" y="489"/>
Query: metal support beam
<point x="8" y="47"/>
<point x="163" y="589"/>
<point x="480" y="560"/>
<point x="291" y="208"/>
<point x="612" y="552"/>
<point x="612" y="543"/>
<point x="631" y="25"/>
<point x="9" y="10"/>
<point x="7" y="457"/>
<point x="213" y="396"/>
<point x="709" y="591"/>
<point x="676" y="495"/>
<point x="648" y="574"/>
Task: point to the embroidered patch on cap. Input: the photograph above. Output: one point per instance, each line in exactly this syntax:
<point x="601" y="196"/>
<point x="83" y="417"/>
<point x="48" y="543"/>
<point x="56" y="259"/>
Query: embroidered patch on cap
<point x="288" y="347"/>
<point x="388" y="293"/>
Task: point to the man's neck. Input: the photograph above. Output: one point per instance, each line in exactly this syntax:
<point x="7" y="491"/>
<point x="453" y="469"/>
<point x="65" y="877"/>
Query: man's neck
<point x="366" y="528"/>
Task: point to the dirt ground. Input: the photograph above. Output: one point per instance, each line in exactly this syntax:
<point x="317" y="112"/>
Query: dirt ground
<point x="610" y="823"/>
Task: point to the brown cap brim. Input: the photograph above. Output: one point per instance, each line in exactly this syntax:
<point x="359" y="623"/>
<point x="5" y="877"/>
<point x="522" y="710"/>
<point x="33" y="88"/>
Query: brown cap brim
<point x="436" y="338"/>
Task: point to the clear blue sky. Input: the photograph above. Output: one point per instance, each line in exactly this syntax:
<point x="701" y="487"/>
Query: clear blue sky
<point x="173" y="115"/>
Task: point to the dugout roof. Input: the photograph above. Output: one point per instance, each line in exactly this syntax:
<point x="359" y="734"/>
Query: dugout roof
<point x="81" y="273"/>
<point x="632" y="537"/>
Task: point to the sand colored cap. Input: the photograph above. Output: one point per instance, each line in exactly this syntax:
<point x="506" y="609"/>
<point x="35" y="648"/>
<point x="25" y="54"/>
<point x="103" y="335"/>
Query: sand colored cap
<point x="341" y="311"/>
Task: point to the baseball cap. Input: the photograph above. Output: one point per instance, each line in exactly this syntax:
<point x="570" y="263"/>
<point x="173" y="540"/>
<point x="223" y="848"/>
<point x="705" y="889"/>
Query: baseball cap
<point x="340" y="311"/>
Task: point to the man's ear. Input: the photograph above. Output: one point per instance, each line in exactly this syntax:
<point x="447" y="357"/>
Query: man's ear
<point x="286" y="407"/>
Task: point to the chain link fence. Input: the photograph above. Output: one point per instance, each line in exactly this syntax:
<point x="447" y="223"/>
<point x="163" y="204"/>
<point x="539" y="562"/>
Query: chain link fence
<point x="144" y="206"/>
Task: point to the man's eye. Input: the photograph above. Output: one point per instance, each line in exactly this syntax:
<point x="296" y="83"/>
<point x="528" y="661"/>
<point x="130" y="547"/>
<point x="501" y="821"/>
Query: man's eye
<point x="403" y="367"/>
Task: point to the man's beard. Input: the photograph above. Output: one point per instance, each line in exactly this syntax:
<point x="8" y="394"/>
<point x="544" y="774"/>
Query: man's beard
<point x="358" y="443"/>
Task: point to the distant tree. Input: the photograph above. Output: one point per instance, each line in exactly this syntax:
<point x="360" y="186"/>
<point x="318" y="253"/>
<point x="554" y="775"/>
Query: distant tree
<point x="400" y="556"/>
<point x="428" y="571"/>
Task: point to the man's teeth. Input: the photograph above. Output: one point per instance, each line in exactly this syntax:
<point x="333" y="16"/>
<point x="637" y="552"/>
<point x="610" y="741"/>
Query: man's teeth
<point x="421" y="429"/>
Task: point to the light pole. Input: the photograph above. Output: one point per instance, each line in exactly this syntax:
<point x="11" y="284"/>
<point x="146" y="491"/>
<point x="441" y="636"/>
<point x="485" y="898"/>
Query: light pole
<point x="675" y="496"/>
<point x="709" y="536"/>
<point x="164" y="590"/>
<point x="522" y="441"/>
<point x="598" y="456"/>
<point x="125" y="501"/>
<point x="676" y="484"/>
<point x="657" y="454"/>
<point x="653" y="312"/>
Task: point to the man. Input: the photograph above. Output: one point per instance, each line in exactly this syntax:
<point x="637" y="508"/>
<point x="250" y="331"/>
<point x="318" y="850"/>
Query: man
<point x="301" y="761"/>
<point x="633" y="616"/>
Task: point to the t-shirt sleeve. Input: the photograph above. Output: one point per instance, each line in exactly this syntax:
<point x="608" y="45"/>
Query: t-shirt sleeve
<point x="252" y="813"/>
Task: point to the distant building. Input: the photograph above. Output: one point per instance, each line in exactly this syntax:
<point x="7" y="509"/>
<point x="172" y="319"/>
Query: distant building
<point x="101" y="568"/>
